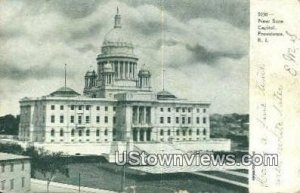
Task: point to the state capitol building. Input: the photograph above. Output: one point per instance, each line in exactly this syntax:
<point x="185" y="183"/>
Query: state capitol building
<point x="117" y="104"/>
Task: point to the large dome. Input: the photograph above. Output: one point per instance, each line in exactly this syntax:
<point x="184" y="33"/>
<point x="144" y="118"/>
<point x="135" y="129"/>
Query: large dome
<point x="117" y="41"/>
<point x="117" y="36"/>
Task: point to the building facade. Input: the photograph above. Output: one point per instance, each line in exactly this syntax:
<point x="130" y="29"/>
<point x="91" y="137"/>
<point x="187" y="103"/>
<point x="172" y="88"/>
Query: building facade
<point x="14" y="173"/>
<point x="118" y="104"/>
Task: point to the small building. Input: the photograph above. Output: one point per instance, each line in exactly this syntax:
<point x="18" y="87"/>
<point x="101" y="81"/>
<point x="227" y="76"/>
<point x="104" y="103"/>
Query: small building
<point x="14" y="173"/>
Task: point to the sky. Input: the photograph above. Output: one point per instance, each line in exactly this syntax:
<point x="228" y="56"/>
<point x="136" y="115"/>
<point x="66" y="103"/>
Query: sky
<point x="203" y="46"/>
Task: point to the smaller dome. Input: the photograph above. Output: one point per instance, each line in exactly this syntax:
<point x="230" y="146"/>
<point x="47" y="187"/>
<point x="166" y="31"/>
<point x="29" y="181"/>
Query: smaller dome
<point x="90" y="73"/>
<point x="164" y="95"/>
<point x="64" y="92"/>
<point x="144" y="72"/>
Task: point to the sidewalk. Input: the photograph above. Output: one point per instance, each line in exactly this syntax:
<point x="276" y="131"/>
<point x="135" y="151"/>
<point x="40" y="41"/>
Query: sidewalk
<point x="40" y="186"/>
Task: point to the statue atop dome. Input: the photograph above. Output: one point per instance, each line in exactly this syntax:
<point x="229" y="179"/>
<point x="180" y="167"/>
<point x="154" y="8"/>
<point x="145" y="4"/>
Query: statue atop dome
<point x="117" y="19"/>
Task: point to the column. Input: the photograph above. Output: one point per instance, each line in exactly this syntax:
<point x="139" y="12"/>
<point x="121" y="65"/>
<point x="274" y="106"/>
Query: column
<point x="138" y="114"/>
<point x="137" y="135"/>
<point x="119" y="70"/>
<point x="145" y="115"/>
<point x="124" y="70"/>
<point x="133" y="70"/>
<point x="145" y="135"/>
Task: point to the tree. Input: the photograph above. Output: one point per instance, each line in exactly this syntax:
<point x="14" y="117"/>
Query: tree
<point x="47" y="163"/>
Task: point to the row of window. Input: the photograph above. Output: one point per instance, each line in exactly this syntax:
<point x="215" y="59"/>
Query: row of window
<point x="162" y="132"/>
<point x="183" y="120"/>
<point x="12" y="183"/>
<point x="79" y="119"/>
<point x="80" y="132"/>
<point x="182" y="109"/>
<point x="81" y="107"/>
<point x="11" y="166"/>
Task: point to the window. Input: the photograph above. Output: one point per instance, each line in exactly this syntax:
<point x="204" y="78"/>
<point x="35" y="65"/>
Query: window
<point x="97" y="132"/>
<point x="183" y="110"/>
<point x="98" y="108"/>
<point x="52" y="119"/>
<point x="169" y="119"/>
<point x="114" y="119"/>
<point x="106" y="108"/>
<point x="98" y="119"/>
<point x="198" y="132"/>
<point x="161" y="109"/>
<point x="161" y="132"/>
<point x="183" y="132"/>
<point x="2" y="168"/>
<point x="169" y="132"/>
<point x="114" y="108"/>
<point x="80" y="133"/>
<point x="80" y="107"/>
<point x="87" y="119"/>
<point x="12" y="184"/>
<point x="23" y="166"/>
<point x="79" y="119"/>
<point x="52" y="107"/>
<point x="72" y="132"/>
<point x="61" y="107"/>
<point x="72" y="107"/>
<point x="52" y="133"/>
<point x="106" y="119"/>
<point x="161" y="120"/>
<point x="177" y="119"/>
<point x="204" y="131"/>
<point x="87" y="133"/>
<point x="177" y="109"/>
<point x="169" y="109"/>
<point x="105" y="132"/>
<point x="204" y="120"/>
<point x="61" y="119"/>
<point x="23" y="182"/>
<point x="189" y="120"/>
<point x="189" y="110"/>
<point x="61" y="132"/>
<point x="198" y="120"/>
<point x="72" y="119"/>
<point x="204" y="110"/>
<point x="11" y="167"/>
<point x="3" y="185"/>
<point x="190" y="132"/>
<point x="198" y="110"/>
<point x="177" y="132"/>
<point x="87" y="108"/>
<point x="183" y="120"/>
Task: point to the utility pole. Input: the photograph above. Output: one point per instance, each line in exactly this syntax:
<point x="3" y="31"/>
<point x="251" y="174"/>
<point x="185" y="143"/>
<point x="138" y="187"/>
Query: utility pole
<point x="79" y="182"/>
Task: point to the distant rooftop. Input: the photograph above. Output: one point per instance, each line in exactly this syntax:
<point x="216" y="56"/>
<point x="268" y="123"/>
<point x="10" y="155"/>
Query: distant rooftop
<point x="8" y="156"/>
<point x="64" y="92"/>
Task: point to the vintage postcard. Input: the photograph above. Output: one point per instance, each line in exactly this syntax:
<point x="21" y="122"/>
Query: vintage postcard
<point x="132" y="96"/>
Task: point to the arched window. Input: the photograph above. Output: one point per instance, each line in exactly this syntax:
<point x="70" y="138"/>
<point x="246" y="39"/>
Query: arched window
<point x="97" y="132"/>
<point x="198" y="132"/>
<point x="80" y="133"/>
<point x="190" y="132"/>
<point x="169" y="132"/>
<point x="161" y="132"/>
<point x="52" y="132"/>
<point x="61" y="132"/>
<point x="204" y="131"/>
<point x="72" y="132"/>
<point x="87" y="132"/>
<point x="105" y="132"/>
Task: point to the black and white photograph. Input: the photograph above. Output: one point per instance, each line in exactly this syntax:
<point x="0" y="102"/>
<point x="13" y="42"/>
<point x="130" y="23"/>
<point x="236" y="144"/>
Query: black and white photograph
<point x="124" y="96"/>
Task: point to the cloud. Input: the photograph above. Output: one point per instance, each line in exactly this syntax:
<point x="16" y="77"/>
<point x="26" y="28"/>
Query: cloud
<point x="200" y="53"/>
<point x="204" y="47"/>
